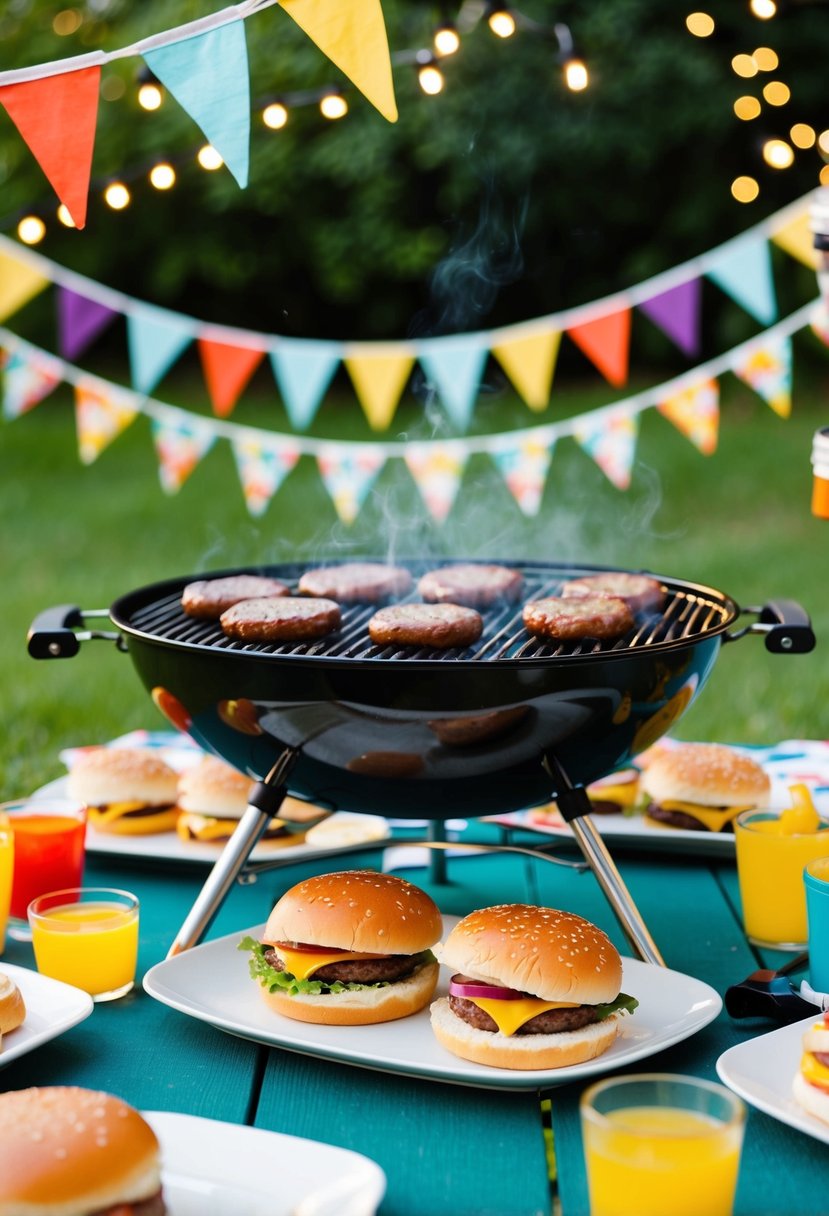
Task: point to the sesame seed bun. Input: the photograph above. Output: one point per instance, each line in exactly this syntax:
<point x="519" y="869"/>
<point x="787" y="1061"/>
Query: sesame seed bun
<point x="12" y="1005"/>
<point x="214" y="788"/>
<point x="122" y="774"/>
<point x="708" y="774"/>
<point x="66" y="1151"/>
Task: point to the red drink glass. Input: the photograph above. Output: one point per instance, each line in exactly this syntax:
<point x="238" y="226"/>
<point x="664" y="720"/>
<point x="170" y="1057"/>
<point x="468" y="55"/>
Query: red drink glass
<point x="49" y="843"/>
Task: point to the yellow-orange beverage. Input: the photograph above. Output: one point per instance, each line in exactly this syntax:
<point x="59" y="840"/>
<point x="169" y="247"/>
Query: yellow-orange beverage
<point x="6" y="874"/>
<point x="87" y="940"/>
<point x="770" y="864"/>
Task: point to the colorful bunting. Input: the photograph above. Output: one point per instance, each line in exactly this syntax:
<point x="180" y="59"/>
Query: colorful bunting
<point x="742" y="269"/>
<point x="263" y="465"/>
<point x="181" y="443"/>
<point x="28" y="377"/>
<point x="155" y="338"/>
<point x="437" y="470"/>
<point x="767" y="368"/>
<point x="606" y="343"/>
<point x="609" y="436"/>
<point x="695" y="411"/>
<point x="80" y="321"/>
<point x="303" y="371"/>
<point x="101" y="414"/>
<point x="379" y="371"/>
<point x="798" y="240"/>
<point x="524" y="467"/>
<point x="677" y="313"/>
<point x="454" y="366"/>
<point x="19" y="283"/>
<point x="227" y="369"/>
<point x="819" y="322"/>
<point x="349" y="473"/>
<point x="529" y="361"/>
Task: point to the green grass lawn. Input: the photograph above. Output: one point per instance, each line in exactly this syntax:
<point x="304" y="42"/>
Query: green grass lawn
<point x="738" y="520"/>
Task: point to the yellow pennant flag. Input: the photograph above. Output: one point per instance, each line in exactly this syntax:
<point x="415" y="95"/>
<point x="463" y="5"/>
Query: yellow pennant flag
<point x="797" y="239"/>
<point x="529" y="362"/>
<point x="352" y="33"/>
<point x="379" y="379"/>
<point x="18" y="284"/>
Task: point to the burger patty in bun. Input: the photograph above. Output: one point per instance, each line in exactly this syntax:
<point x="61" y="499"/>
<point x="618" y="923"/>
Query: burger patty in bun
<point x="810" y="1085"/>
<point x="347" y="949"/>
<point x="534" y="988"/>
<point x="128" y="791"/>
<point x="703" y="787"/>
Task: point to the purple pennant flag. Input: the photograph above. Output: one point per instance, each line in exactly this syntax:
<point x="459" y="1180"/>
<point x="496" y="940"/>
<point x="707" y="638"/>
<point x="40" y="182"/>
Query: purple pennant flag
<point x="677" y="312"/>
<point x="80" y="320"/>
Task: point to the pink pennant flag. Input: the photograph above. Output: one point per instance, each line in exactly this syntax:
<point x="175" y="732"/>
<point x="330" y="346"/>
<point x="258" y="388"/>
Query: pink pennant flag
<point x="696" y="413"/>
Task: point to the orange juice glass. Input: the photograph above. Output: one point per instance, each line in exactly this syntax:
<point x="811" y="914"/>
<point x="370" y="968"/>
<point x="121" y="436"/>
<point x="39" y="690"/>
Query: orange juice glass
<point x="661" y="1145"/>
<point x="770" y="864"/>
<point x="87" y="937"/>
<point x="49" y="844"/>
<point x="6" y="872"/>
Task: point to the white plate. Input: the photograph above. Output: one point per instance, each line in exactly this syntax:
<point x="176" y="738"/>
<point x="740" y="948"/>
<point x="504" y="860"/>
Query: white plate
<point x="211" y="983"/>
<point x="51" y="1008"/>
<point x="211" y="1169"/>
<point x="761" y="1070"/>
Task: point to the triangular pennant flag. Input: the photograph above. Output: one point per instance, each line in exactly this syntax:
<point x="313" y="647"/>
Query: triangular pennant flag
<point x="610" y="438"/>
<point x="101" y="413"/>
<point x="379" y="374"/>
<point x="524" y="468"/>
<point x="18" y="284"/>
<point x="263" y="465"/>
<point x="742" y="269"/>
<point x="767" y="368"/>
<point x="180" y="446"/>
<point x="155" y="338"/>
<point x="353" y="36"/>
<point x="529" y="361"/>
<point x="349" y="473"/>
<point x="454" y="366"/>
<point x="695" y="411"/>
<point x="80" y="320"/>
<point x="227" y="370"/>
<point x="796" y="238"/>
<point x="677" y="313"/>
<point x="28" y="377"/>
<point x="56" y="116"/>
<point x="437" y="471"/>
<point x="606" y="342"/>
<point x="819" y="322"/>
<point x="208" y="76"/>
<point x="303" y="370"/>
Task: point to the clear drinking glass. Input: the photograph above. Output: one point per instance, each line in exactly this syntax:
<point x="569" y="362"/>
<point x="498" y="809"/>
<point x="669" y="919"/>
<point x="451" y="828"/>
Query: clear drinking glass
<point x="87" y="937"/>
<point x="49" y="849"/>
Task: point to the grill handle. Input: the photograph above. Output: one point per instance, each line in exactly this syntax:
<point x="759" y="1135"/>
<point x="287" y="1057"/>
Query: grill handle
<point x="784" y="625"/>
<point x="57" y="633"/>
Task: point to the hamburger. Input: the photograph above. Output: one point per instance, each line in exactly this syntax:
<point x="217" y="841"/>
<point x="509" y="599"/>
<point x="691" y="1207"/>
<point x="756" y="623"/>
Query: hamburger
<point x="614" y="794"/>
<point x="810" y="1086"/>
<point x="12" y="1006"/>
<point x="703" y="787"/>
<point x="66" y="1151"/>
<point x="128" y="791"/>
<point x="351" y="948"/>
<point x="531" y="988"/>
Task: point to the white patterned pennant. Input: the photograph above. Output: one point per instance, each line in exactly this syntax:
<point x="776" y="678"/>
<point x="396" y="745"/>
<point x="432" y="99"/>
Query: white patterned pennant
<point x="437" y="471"/>
<point x="695" y="411"/>
<point x="28" y="377"/>
<point x="524" y="467"/>
<point x="101" y="414"/>
<point x="263" y="465"/>
<point x="348" y="473"/>
<point x="767" y="368"/>
<point x="180" y="444"/>
<point x="610" y="438"/>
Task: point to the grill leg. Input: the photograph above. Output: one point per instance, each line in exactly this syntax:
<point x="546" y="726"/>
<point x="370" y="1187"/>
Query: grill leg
<point x="266" y="799"/>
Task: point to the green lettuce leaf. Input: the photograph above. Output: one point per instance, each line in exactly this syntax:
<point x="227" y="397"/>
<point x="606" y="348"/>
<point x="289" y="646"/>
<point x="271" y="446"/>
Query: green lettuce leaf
<point x="273" y="980"/>
<point x="622" y="1004"/>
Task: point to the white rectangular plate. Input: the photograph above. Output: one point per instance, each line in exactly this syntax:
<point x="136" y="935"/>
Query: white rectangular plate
<point x="761" y="1070"/>
<point x="211" y="1168"/>
<point x="211" y="983"/>
<point x="51" y="1009"/>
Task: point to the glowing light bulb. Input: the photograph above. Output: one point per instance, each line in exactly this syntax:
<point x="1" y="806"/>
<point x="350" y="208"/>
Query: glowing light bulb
<point x="209" y="158"/>
<point x="162" y="176"/>
<point x="763" y="9"/>
<point x="777" y="93"/>
<point x="824" y="176"/>
<point x="701" y="25"/>
<point x="823" y="143"/>
<point x="765" y="58"/>
<point x="747" y="108"/>
<point x="69" y="21"/>
<point x="744" y="65"/>
<point x="802" y="135"/>
<point x="150" y="97"/>
<point x="575" y="75"/>
<point x="117" y="196"/>
<point x="275" y="115"/>
<point x="745" y="189"/>
<point x="31" y="230"/>
<point x="501" y="22"/>
<point x="64" y="216"/>
<point x="447" y="40"/>
<point x="333" y="106"/>
<point x="777" y="153"/>
<point x="430" y="79"/>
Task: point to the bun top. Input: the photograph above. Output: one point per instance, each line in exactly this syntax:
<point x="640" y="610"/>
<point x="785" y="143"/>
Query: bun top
<point x="557" y="956"/>
<point x="356" y="910"/>
<point x="122" y="774"/>
<point x="708" y="774"/>
<point x="213" y="787"/>
<point x="65" y="1150"/>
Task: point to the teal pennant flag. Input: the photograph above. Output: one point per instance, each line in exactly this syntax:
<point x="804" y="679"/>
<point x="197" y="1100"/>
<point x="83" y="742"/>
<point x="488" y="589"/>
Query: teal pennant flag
<point x="209" y="78"/>
<point x="155" y="339"/>
<point x="454" y="365"/>
<point x="303" y="370"/>
<point x="743" y="270"/>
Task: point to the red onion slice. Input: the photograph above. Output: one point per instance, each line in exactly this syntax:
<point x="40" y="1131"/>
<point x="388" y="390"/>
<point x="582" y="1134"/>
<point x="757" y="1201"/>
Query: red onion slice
<point x="485" y="992"/>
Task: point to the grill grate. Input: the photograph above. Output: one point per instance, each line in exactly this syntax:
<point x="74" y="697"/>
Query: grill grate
<point x="689" y="612"/>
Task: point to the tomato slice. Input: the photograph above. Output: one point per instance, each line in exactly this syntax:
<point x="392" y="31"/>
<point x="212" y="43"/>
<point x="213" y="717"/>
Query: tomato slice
<point x="308" y="948"/>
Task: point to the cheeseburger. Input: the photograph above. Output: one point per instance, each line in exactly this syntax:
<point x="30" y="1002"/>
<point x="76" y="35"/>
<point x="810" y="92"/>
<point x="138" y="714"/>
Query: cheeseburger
<point x="811" y="1082"/>
<point x="532" y="988"/>
<point x="66" y="1151"/>
<point x="348" y="949"/>
<point x="127" y="791"/>
<point x="703" y="787"/>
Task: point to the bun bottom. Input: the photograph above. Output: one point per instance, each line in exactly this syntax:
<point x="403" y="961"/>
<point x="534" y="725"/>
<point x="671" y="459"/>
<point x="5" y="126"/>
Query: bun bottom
<point x="163" y="820"/>
<point x="363" y="1007"/>
<point x="812" y="1099"/>
<point x="12" y="1006"/>
<point x="521" y="1051"/>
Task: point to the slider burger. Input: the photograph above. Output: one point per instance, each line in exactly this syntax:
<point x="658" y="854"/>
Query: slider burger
<point x="810" y="1086"/>
<point x="348" y="949"/>
<point x="12" y="1007"/>
<point x="127" y="791"/>
<point x="66" y="1151"/>
<point x="703" y="787"/>
<point x="532" y="988"/>
<point x="213" y="796"/>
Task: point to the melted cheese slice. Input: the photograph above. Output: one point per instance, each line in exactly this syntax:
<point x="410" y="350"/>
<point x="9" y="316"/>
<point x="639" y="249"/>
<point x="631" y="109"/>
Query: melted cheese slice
<point x="302" y="963"/>
<point x="115" y="810"/>
<point x="510" y="1016"/>
<point x="624" y="795"/>
<point x="711" y="817"/>
<point x="192" y="826"/>
<point x="813" y="1071"/>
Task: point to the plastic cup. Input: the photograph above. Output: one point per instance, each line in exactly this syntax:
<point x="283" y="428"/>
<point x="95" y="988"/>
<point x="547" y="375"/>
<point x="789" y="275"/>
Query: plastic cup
<point x="820" y="473"/>
<point x="770" y="868"/>
<point x="49" y="847"/>
<point x="6" y="875"/>
<point x="661" y="1145"/>
<point x="87" y="937"/>
<point x="816" y="884"/>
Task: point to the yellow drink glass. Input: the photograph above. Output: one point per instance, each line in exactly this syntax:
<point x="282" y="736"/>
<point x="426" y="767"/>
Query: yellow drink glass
<point x="87" y="937"/>
<point x="770" y="865"/>
<point x="6" y="875"/>
<point x="661" y="1145"/>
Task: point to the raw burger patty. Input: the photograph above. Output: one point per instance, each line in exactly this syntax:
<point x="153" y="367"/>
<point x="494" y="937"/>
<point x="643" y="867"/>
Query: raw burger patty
<point x="281" y="620"/>
<point x="582" y="616"/>
<point x="356" y="581"/>
<point x="210" y="597"/>
<point x="437" y="625"/>
<point x="640" y="592"/>
<point x="476" y="586"/>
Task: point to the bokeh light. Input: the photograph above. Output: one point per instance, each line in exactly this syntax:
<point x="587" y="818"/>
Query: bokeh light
<point x="275" y="116"/>
<point x="701" y="25"/>
<point x="31" y="230"/>
<point x="745" y="189"/>
<point x="162" y="176"/>
<point x="117" y="196"/>
<point x="744" y="65"/>
<point x="802" y="135"/>
<point x="747" y="108"/>
<point x="778" y="154"/>
<point x="209" y="158"/>
<point x="777" y="93"/>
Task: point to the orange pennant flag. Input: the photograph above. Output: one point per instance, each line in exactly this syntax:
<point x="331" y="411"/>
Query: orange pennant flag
<point x="606" y="342"/>
<point x="56" y="116"/>
<point x="227" y="370"/>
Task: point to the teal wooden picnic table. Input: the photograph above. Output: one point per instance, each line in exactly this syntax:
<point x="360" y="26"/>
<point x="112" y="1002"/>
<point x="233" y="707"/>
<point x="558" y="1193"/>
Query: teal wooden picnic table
<point x="445" y="1148"/>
